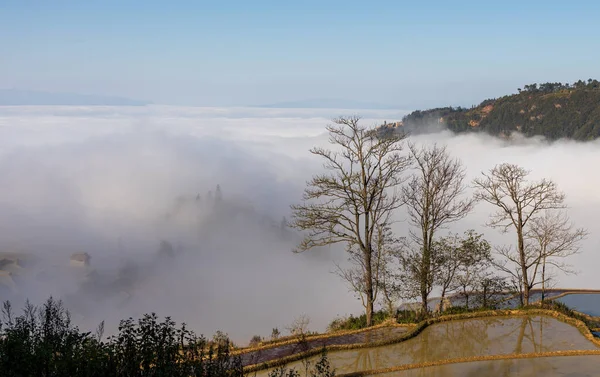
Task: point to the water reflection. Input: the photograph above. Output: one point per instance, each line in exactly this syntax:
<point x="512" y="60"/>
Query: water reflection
<point x="464" y="338"/>
<point x="580" y="366"/>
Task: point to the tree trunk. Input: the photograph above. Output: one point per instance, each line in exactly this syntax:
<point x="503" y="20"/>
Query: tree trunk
<point x="390" y="306"/>
<point x="543" y="279"/>
<point x="523" y="261"/>
<point x="424" y="306"/>
<point x="369" y="312"/>
<point x="442" y="297"/>
<point x="485" y="296"/>
<point x="426" y="270"/>
<point x="369" y="286"/>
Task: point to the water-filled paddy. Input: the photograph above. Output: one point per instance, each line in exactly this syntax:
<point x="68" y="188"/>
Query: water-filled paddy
<point x="461" y="339"/>
<point x="580" y="366"/>
<point x="588" y="303"/>
<point x="368" y="336"/>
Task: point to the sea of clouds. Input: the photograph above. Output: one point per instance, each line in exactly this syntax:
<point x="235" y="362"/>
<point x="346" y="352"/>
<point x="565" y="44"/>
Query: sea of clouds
<point x="101" y="179"/>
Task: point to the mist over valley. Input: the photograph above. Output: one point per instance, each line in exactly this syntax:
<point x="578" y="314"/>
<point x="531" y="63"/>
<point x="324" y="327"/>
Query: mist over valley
<point x="136" y="189"/>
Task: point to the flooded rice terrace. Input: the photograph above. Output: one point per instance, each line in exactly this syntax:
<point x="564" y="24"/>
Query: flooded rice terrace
<point x="567" y="366"/>
<point x="463" y="339"/>
<point x="588" y="303"/>
<point x="367" y="336"/>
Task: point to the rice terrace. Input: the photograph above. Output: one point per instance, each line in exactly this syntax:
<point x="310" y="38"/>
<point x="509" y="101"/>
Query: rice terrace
<point x="531" y="341"/>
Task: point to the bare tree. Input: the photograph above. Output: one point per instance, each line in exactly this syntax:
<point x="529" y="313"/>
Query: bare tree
<point x="299" y="326"/>
<point x="434" y="198"/>
<point x="552" y="237"/>
<point x="518" y="201"/>
<point x="354" y="198"/>
<point x="385" y="247"/>
<point x="511" y="268"/>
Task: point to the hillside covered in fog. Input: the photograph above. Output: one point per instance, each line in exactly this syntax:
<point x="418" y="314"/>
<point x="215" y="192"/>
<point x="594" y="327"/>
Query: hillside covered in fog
<point x="552" y="110"/>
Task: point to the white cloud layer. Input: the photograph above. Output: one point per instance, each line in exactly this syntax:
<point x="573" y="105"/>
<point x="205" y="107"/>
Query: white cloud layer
<point x="105" y="180"/>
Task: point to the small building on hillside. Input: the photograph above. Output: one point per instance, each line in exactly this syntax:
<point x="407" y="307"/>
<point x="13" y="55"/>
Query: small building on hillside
<point x="80" y="260"/>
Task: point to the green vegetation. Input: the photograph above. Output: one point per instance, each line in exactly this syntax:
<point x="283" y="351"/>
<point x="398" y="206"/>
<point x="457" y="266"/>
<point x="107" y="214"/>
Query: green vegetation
<point x="43" y="342"/>
<point x="553" y="110"/>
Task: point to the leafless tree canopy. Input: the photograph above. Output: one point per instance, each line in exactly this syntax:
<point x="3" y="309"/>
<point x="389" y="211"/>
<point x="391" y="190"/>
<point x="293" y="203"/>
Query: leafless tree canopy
<point x="549" y="240"/>
<point x="352" y="203"/>
<point x="434" y="198"/>
<point x="354" y="198"/>
<point x="385" y="248"/>
<point x="519" y="202"/>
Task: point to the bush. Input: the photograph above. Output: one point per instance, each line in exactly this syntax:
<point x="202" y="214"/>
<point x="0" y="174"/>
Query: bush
<point x="356" y="323"/>
<point x="275" y="334"/>
<point x="460" y="310"/>
<point x="43" y="342"/>
<point x="255" y="341"/>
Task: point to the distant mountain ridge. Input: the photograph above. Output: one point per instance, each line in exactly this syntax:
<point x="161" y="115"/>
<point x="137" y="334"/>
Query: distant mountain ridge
<point x="17" y="97"/>
<point x="329" y="103"/>
<point x="552" y="110"/>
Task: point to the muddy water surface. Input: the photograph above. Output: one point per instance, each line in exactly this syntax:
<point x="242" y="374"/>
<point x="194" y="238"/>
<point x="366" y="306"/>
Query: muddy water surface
<point x="369" y="336"/>
<point x="463" y="338"/>
<point x="567" y="366"/>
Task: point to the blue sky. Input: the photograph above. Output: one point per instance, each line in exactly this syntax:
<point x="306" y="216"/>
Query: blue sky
<point x="409" y="54"/>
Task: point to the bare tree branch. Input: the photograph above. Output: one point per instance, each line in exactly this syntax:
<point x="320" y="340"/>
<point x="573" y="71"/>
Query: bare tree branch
<point x="519" y="202"/>
<point x="434" y="198"/>
<point x="353" y="201"/>
<point x="551" y="238"/>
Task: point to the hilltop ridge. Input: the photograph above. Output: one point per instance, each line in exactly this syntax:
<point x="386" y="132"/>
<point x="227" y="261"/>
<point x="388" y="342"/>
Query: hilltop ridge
<point x="552" y="110"/>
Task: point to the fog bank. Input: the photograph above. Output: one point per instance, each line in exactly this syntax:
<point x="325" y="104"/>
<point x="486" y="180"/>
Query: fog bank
<point x="116" y="182"/>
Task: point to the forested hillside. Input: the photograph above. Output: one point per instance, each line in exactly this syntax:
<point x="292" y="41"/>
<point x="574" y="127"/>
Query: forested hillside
<point x="554" y="110"/>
